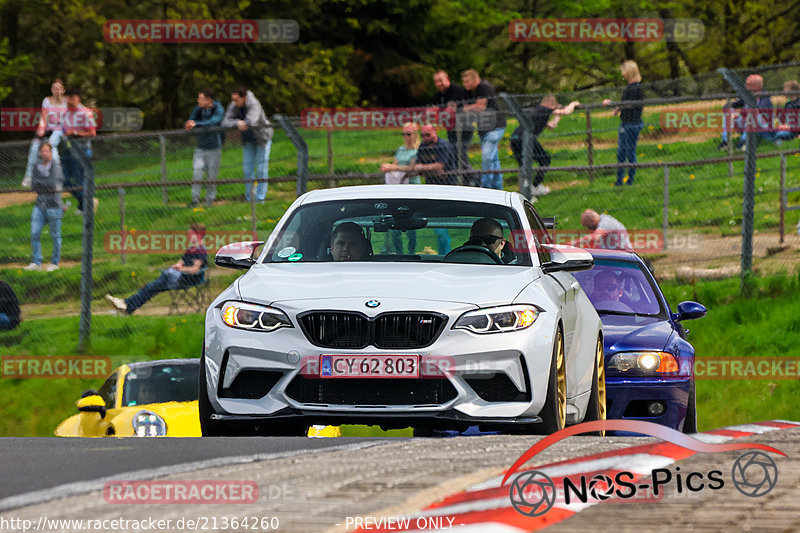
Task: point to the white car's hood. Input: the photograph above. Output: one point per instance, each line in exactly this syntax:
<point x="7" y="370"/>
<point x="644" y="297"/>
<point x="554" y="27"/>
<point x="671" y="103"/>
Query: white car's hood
<point x="482" y="285"/>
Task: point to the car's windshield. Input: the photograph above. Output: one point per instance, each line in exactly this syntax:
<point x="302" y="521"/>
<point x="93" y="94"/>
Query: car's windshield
<point x="161" y="383"/>
<point x="401" y="230"/>
<point x="619" y="287"/>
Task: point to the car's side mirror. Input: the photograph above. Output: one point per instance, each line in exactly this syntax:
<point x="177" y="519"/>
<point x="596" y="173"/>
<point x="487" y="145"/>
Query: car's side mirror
<point x="565" y="258"/>
<point x="689" y="311"/>
<point x="237" y="255"/>
<point x="93" y="403"/>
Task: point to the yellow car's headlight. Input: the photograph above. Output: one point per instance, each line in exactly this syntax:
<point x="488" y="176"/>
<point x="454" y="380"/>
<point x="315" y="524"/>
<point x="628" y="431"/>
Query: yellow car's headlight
<point x="148" y="424"/>
<point x="243" y="315"/>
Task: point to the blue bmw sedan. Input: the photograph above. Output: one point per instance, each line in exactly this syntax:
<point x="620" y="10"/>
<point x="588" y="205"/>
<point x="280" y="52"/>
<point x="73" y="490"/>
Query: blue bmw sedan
<point x="649" y="363"/>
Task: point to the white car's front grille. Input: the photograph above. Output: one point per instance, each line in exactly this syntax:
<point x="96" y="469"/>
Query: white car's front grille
<point x="350" y="329"/>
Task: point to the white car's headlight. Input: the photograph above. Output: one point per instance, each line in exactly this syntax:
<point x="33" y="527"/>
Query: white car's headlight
<point x="149" y="424"/>
<point x="658" y="362"/>
<point x="498" y="319"/>
<point x="255" y="317"/>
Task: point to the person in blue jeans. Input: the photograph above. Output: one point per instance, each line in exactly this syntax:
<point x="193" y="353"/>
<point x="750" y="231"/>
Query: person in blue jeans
<point x="631" y="121"/>
<point x="78" y="128"/>
<point x="9" y="308"/>
<point x="47" y="181"/>
<point x="491" y="125"/>
<point x="246" y="114"/>
<point x="185" y="273"/>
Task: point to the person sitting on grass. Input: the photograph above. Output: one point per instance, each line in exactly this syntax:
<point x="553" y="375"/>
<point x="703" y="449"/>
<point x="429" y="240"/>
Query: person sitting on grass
<point x="9" y="308"/>
<point x="184" y="273"/>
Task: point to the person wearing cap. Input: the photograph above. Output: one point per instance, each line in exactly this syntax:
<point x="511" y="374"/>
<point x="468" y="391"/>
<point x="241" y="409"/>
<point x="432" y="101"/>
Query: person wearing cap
<point x="78" y="128"/>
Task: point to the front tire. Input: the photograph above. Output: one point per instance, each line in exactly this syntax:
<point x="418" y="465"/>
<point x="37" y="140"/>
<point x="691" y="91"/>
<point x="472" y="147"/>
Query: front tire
<point x="596" y="410"/>
<point x="554" y="412"/>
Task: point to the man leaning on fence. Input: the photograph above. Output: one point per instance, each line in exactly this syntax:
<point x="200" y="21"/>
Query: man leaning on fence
<point x="207" y="117"/>
<point x="188" y="271"/>
<point x="491" y="125"/>
<point x="78" y="128"/>
<point x="47" y="182"/>
<point x="246" y="114"/>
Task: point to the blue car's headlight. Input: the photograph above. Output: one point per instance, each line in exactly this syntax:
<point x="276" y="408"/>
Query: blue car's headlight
<point x="498" y="319"/>
<point x="148" y="424"/>
<point x="255" y="317"/>
<point x="649" y="362"/>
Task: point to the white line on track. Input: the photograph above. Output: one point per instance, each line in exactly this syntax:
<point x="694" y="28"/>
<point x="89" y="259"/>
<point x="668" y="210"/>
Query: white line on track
<point x="81" y="487"/>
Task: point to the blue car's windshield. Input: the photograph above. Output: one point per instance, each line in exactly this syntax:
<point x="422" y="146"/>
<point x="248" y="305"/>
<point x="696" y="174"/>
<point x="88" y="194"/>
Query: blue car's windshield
<point x="619" y="287"/>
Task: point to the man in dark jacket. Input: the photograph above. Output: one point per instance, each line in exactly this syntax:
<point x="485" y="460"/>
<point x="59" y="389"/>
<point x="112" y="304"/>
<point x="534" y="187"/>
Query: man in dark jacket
<point x="206" y="116"/>
<point x="9" y="308"/>
<point x="47" y="182"/>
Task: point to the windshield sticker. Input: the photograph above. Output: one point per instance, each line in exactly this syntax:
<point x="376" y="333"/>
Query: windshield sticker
<point x="286" y="252"/>
<point x="295" y="257"/>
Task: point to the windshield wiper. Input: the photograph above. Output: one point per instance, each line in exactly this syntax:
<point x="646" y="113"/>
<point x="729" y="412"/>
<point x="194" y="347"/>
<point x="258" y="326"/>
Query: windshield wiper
<point x="623" y="313"/>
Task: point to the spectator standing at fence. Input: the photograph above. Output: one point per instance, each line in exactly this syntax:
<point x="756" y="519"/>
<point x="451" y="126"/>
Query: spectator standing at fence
<point x="9" y="308"/>
<point x="605" y="232"/>
<point x="400" y="172"/>
<point x="206" y="116"/>
<point x="185" y="273"/>
<point x="450" y="99"/>
<point x="47" y="182"/>
<point x="540" y="116"/>
<point x="730" y="116"/>
<point x="246" y="114"/>
<point x="790" y="125"/>
<point x="631" y="120"/>
<point x="48" y="128"/>
<point x="491" y="124"/>
<point x="78" y="127"/>
<point x="436" y="156"/>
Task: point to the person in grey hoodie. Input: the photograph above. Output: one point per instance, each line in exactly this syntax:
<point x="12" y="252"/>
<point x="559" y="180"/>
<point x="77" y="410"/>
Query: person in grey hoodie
<point x="206" y="116"/>
<point x="47" y="182"/>
<point x="246" y="114"/>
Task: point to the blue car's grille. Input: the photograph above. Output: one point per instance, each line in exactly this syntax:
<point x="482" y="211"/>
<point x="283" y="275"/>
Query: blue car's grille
<point x="342" y="329"/>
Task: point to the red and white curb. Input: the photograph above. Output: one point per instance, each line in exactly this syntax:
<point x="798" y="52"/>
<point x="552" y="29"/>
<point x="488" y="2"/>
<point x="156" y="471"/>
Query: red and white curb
<point x="486" y="507"/>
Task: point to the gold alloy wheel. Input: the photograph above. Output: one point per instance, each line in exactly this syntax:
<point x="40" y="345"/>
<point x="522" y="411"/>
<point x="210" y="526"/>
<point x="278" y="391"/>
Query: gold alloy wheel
<point x="561" y="382"/>
<point x="601" y="380"/>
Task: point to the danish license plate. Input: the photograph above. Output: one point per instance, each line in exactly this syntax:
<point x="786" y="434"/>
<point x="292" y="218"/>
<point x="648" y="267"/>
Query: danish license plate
<point x="369" y="366"/>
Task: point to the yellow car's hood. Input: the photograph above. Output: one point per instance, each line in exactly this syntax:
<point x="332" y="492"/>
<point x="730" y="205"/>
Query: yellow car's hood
<point x="182" y="420"/>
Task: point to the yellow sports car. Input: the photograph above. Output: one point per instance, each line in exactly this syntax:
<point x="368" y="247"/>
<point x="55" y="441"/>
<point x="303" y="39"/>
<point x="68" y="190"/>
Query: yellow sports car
<point x="147" y="399"/>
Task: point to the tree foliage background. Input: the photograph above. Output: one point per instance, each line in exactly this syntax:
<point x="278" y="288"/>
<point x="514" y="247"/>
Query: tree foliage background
<point x="362" y="52"/>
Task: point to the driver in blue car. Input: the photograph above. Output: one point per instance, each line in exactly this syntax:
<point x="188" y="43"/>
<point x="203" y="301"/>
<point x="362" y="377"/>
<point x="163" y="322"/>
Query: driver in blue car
<point x="607" y="293"/>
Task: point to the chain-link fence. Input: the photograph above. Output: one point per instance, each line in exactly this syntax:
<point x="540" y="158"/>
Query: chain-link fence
<point x="683" y="209"/>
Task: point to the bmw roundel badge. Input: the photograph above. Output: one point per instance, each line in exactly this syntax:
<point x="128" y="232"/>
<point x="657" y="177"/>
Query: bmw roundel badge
<point x="372" y="303"/>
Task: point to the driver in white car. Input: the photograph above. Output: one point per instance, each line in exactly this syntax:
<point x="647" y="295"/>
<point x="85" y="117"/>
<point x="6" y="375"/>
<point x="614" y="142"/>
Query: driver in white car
<point x="348" y="243"/>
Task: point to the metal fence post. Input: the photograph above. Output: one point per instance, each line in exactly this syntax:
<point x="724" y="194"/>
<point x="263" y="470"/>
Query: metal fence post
<point x="88" y="248"/>
<point x="749" y="193"/>
<point x="782" y="222"/>
<point x="589" y="144"/>
<point x="121" y="193"/>
<point x="163" y="144"/>
<point x="302" y="151"/>
<point x="665" y="214"/>
<point x="253" y="220"/>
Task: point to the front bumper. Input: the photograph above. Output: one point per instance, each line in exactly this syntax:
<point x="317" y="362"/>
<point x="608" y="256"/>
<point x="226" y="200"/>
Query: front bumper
<point x="627" y="399"/>
<point x="462" y="358"/>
